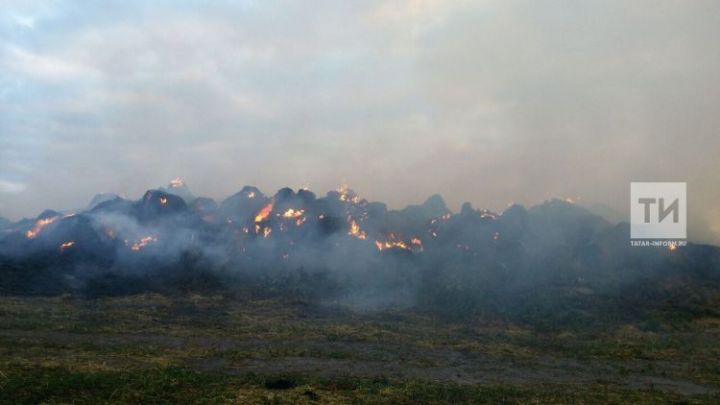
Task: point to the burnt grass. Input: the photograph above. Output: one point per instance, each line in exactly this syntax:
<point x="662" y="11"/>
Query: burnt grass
<point x="221" y="346"/>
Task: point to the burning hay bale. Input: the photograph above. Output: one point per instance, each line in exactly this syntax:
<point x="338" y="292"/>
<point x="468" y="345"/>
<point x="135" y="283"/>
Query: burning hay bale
<point x="362" y="249"/>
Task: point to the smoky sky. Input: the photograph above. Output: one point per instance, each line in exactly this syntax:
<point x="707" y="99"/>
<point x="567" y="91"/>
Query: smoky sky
<point x="483" y="101"/>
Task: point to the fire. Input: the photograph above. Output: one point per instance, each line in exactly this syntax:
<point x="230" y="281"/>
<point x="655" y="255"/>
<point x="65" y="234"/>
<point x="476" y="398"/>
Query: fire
<point x="66" y="245"/>
<point x="672" y="247"/>
<point x="293" y="213"/>
<point x="163" y="200"/>
<point x="300" y="221"/>
<point x="142" y="243"/>
<point x="391" y="242"/>
<point x="415" y="244"/>
<point x="176" y="182"/>
<point x="266" y="232"/>
<point x="346" y="195"/>
<point x="250" y="194"/>
<point x="264" y="213"/>
<point x="39" y="225"/>
<point x="356" y="231"/>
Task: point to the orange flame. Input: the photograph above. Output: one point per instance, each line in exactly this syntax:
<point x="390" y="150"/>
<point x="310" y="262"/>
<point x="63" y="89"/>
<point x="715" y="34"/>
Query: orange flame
<point x="293" y="213"/>
<point x="39" y="225"/>
<point x="346" y="195"/>
<point x="264" y="213"/>
<point x="355" y="230"/>
<point x="142" y="243"/>
<point x="176" y="182"/>
<point x="391" y="242"/>
<point x="66" y="245"/>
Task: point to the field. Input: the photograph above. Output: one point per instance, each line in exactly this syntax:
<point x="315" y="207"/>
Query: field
<point x="218" y="348"/>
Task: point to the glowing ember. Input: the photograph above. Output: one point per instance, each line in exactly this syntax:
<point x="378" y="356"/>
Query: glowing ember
<point x="66" y="245"/>
<point x="293" y="213"/>
<point x="163" y="200"/>
<point x="355" y="230"/>
<point x="39" y="225"/>
<point x="264" y="213"/>
<point x="176" y="182"/>
<point x="142" y="243"/>
<point x="300" y="221"/>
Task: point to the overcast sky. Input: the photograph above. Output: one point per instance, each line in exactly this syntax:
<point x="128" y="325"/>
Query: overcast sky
<point x="482" y="101"/>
